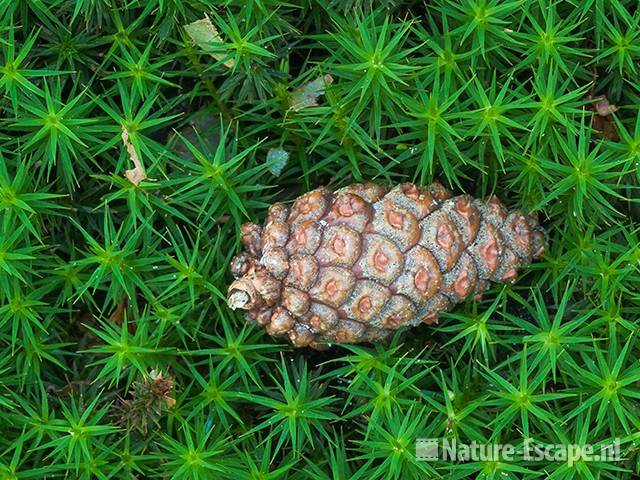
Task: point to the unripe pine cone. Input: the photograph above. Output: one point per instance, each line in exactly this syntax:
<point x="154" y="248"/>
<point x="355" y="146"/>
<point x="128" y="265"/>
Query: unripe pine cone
<point x="356" y="264"/>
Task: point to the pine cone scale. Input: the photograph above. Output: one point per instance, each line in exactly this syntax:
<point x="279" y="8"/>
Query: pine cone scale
<point x="356" y="264"/>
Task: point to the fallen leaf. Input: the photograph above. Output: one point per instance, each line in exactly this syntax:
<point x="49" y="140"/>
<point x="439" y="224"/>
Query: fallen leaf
<point x="137" y="174"/>
<point x="118" y="313"/>
<point x="117" y="316"/>
<point x="603" y="107"/>
<point x="277" y="159"/>
<point x="603" y="122"/>
<point x="205" y="35"/>
<point x="308" y="94"/>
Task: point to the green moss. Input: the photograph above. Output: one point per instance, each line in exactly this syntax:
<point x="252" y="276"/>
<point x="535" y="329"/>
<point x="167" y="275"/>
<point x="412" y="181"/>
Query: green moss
<point x="118" y="355"/>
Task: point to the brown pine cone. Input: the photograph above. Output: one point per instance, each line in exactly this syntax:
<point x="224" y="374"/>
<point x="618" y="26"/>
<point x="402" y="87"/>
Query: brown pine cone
<point x="356" y="264"/>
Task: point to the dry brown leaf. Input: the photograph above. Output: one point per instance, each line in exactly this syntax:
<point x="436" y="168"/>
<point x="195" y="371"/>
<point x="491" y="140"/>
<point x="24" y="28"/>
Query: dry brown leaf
<point x="603" y="122"/>
<point x="118" y="313"/>
<point x="603" y="107"/>
<point x="136" y="174"/>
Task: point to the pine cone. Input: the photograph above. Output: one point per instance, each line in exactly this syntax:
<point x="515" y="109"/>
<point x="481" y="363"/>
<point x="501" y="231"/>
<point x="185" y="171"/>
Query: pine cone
<point x="356" y="264"/>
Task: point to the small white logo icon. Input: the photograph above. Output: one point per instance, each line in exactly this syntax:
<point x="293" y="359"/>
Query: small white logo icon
<point x="427" y="449"/>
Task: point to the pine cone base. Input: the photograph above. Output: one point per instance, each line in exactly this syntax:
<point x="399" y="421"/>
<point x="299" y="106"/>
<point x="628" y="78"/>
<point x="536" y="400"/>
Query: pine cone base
<point x="356" y="264"/>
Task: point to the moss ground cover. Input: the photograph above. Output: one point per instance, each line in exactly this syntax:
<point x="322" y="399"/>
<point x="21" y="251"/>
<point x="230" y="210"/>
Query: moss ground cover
<point x="137" y="136"/>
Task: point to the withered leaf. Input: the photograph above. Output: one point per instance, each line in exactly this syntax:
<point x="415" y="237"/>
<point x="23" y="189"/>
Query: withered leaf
<point x="277" y="158"/>
<point x="136" y="174"/>
<point x="204" y="33"/>
<point x="603" y="122"/>
<point x="308" y="94"/>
